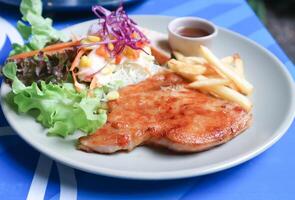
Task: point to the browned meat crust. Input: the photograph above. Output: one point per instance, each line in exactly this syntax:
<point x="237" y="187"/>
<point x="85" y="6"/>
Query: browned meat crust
<point x="161" y="111"/>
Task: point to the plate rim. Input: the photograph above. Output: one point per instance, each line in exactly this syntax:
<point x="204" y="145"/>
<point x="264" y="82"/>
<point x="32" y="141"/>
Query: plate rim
<point x="186" y="173"/>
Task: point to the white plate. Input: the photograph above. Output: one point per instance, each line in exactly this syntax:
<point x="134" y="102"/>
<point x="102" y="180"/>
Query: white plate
<point x="274" y="105"/>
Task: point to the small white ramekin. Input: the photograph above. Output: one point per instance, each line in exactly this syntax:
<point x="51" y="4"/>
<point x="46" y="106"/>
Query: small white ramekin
<point x="189" y="46"/>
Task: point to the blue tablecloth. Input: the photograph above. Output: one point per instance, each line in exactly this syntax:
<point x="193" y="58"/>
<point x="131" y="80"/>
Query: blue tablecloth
<point x="25" y="173"/>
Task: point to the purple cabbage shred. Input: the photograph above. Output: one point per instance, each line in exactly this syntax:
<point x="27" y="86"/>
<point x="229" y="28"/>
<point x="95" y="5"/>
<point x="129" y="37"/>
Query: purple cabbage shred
<point x="117" y="28"/>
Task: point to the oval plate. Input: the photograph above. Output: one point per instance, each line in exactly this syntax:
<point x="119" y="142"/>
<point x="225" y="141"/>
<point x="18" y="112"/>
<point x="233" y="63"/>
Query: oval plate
<point x="274" y="106"/>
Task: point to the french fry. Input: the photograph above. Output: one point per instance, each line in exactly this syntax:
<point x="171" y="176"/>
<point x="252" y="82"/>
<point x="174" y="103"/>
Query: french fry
<point x="236" y="56"/>
<point x="207" y="83"/>
<point x="231" y="95"/>
<point x="243" y="85"/>
<point x="189" y="59"/>
<point x="227" y="94"/>
<point x="186" y="70"/>
<point x="213" y="76"/>
<point x="211" y="71"/>
<point x="228" y="82"/>
<point x="221" y="78"/>
<point x="233" y="86"/>
<point x="235" y="63"/>
<point x="177" y="55"/>
<point x="194" y="60"/>
<point x="227" y="59"/>
<point x="230" y="66"/>
<point x="239" y="65"/>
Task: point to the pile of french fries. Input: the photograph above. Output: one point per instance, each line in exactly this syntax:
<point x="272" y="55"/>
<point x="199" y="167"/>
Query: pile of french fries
<point x="223" y="78"/>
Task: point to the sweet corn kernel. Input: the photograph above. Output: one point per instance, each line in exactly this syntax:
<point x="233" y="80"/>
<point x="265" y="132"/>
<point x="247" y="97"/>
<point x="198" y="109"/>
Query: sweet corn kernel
<point x="85" y="41"/>
<point x="92" y="38"/>
<point x="85" y="62"/>
<point x="113" y="95"/>
<point x="111" y="46"/>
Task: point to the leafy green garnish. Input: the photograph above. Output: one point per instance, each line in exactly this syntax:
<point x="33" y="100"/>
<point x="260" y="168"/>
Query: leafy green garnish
<point x="60" y="108"/>
<point x="41" y="67"/>
<point x="33" y="6"/>
<point x="9" y="70"/>
<point x="24" y="30"/>
<point x="38" y="31"/>
<point x="17" y="48"/>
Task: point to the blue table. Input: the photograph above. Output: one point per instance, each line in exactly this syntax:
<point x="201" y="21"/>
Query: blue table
<point x="25" y="173"/>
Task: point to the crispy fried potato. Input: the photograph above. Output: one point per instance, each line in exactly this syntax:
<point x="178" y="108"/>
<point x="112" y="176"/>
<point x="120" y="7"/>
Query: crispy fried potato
<point x="227" y="59"/>
<point x="194" y="60"/>
<point x="207" y="83"/>
<point x="243" y="85"/>
<point x="235" y="63"/>
<point x="221" y="78"/>
<point x="231" y="95"/>
<point x="186" y="70"/>
<point x="210" y="71"/>
<point x="213" y="76"/>
<point x="178" y="55"/>
<point x="226" y="93"/>
<point x="189" y="59"/>
<point x="230" y="66"/>
<point x="233" y="86"/>
<point x="239" y="65"/>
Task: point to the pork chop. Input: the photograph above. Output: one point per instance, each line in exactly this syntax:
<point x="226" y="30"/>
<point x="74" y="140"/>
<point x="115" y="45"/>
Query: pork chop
<point x="162" y="111"/>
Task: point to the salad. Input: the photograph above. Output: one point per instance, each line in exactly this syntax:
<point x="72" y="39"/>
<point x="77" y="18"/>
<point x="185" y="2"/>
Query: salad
<point x="69" y="81"/>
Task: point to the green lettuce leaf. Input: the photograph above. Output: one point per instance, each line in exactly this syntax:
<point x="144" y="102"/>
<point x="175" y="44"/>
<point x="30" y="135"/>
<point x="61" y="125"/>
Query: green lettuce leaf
<point x="33" y="6"/>
<point x="60" y="108"/>
<point x="17" y="49"/>
<point x="9" y="70"/>
<point x="37" y="30"/>
<point x="24" y="30"/>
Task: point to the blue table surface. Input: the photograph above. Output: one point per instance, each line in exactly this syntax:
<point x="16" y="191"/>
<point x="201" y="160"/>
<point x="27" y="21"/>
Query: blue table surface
<point x="27" y="174"/>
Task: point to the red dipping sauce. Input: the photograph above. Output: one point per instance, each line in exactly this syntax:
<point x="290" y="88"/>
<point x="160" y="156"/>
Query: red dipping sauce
<point x="192" y="32"/>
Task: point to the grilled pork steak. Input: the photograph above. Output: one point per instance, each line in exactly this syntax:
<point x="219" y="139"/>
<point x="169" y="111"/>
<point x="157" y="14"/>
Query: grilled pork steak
<point x="161" y="111"/>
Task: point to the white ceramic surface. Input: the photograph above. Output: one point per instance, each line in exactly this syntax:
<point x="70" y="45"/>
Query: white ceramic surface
<point x="189" y="46"/>
<point x="274" y="105"/>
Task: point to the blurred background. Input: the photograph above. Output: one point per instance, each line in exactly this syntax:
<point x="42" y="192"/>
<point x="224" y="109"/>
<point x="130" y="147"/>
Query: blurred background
<point x="277" y="15"/>
<point x="279" y="18"/>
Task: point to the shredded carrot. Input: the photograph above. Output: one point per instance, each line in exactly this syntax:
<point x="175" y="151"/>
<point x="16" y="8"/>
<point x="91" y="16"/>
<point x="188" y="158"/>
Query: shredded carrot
<point x="101" y="51"/>
<point x="118" y="59"/>
<point x="140" y="44"/>
<point x="51" y="48"/>
<point x="160" y="57"/>
<point x="75" y="63"/>
<point x="56" y="51"/>
<point x="76" y="83"/>
<point x="93" y="83"/>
